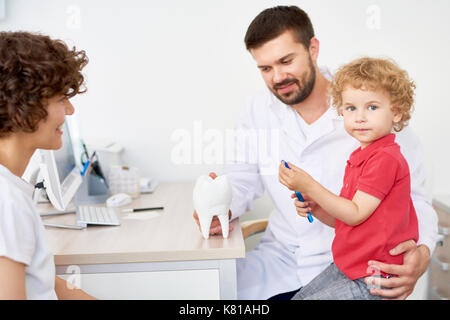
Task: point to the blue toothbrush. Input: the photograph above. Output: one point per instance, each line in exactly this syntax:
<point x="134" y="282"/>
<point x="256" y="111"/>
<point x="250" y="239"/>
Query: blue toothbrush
<point x="300" y="198"/>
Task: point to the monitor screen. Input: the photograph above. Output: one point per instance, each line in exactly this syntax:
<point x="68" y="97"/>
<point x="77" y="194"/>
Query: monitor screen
<point x="65" y="157"/>
<point x="60" y="172"/>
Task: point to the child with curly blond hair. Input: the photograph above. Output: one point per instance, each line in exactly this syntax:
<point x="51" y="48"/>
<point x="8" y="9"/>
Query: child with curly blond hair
<point x="38" y="76"/>
<point x="374" y="211"/>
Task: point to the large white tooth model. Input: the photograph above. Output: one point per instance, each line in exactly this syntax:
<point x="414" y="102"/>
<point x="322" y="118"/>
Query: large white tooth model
<point x="212" y="197"/>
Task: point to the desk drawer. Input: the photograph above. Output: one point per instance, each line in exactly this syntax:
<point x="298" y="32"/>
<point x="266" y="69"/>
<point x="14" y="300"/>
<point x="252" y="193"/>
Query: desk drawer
<point x="155" y="285"/>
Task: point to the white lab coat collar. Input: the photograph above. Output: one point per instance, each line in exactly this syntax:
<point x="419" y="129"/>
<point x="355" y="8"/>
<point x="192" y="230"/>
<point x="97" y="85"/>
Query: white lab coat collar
<point x="289" y="124"/>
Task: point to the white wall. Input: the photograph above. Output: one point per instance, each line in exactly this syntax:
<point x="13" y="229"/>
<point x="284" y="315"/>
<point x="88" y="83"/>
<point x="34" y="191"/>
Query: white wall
<point x="159" y="66"/>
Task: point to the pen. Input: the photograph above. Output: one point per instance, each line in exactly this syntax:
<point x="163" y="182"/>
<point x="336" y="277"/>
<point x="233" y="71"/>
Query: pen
<point x="85" y="150"/>
<point x="86" y="165"/>
<point x="300" y="197"/>
<point x="142" y="209"/>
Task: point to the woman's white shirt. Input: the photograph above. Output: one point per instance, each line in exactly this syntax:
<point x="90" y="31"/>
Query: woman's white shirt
<point x="22" y="237"/>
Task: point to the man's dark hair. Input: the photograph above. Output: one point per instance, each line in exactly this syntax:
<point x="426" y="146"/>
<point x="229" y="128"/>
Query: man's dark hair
<point x="272" y="22"/>
<point x="33" y="69"/>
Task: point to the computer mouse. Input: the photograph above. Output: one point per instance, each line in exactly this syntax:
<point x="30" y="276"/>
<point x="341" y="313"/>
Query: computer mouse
<point x="118" y="200"/>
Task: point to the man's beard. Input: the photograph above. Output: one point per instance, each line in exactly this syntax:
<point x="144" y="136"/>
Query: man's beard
<point x="296" y="96"/>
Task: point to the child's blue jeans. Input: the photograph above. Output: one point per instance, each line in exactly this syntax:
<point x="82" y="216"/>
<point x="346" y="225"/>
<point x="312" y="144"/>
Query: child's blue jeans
<point x="332" y="284"/>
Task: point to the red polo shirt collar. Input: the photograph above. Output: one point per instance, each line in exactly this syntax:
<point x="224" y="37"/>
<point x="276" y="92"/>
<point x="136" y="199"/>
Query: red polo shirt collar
<point x="360" y="155"/>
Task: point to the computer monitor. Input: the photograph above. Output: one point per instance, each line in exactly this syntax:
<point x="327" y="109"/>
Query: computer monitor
<point x="60" y="171"/>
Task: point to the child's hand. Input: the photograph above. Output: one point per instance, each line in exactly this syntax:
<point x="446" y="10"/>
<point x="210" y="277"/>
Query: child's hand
<point x="304" y="207"/>
<point x="295" y="178"/>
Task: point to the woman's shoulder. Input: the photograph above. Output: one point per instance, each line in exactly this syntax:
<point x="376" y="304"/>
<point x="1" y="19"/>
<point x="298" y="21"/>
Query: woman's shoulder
<point x="13" y="200"/>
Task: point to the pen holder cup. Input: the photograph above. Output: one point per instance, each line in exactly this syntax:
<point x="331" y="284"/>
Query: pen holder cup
<point x="93" y="190"/>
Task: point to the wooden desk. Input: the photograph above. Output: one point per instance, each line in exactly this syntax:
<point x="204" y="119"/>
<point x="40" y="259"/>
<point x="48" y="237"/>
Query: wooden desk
<point x="148" y="256"/>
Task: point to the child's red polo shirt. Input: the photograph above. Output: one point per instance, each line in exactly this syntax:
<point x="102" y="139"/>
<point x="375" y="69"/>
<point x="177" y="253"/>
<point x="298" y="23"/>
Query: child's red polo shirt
<point x="380" y="170"/>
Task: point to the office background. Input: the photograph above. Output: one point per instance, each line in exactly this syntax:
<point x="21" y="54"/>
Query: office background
<point x="158" y="67"/>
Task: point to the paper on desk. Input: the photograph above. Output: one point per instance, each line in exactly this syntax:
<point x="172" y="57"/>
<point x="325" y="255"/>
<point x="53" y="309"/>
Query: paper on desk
<point x="144" y="215"/>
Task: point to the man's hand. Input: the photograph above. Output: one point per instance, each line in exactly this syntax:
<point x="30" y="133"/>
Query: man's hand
<point x="415" y="263"/>
<point x="216" y="228"/>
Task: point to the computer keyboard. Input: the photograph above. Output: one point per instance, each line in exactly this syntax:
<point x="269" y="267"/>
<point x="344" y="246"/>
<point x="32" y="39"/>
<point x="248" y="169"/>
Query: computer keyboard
<point x="97" y="215"/>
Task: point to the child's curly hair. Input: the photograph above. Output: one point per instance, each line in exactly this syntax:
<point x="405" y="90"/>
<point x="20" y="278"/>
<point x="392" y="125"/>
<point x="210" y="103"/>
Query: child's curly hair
<point x="33" y="69"/>
<point x="377" y="74"/>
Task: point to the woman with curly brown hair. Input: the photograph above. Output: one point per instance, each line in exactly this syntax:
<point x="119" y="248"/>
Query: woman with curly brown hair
<point x="38" y="76"/>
